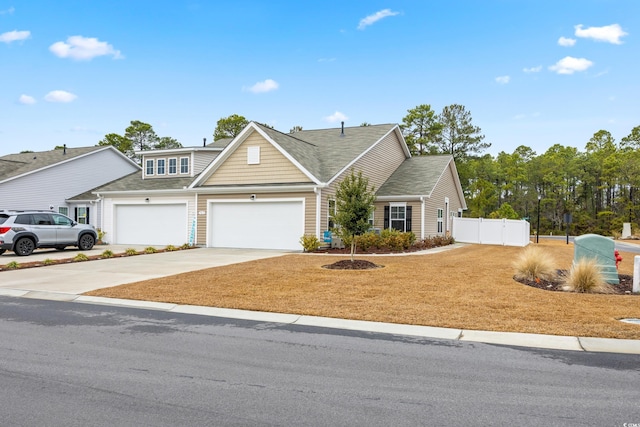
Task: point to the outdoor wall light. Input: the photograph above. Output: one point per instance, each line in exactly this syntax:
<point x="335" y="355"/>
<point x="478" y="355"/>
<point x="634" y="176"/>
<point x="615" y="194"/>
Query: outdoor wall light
<point x="252" y="197"/>
<point x="146" y="200"/>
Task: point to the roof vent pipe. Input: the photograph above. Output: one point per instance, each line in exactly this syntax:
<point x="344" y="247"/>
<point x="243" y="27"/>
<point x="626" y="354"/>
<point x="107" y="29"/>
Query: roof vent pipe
<point x="204" y="142"/>
<point x="342" y="133"/>
<point x="64" y="149"/>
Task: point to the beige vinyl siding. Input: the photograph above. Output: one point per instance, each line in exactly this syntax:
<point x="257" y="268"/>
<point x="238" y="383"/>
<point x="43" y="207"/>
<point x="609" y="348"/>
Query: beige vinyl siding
<point x="273" y="168"/>
<point x="309" y="206"/>
<point x="445" y="187"/>
<point x="377" y="165"/>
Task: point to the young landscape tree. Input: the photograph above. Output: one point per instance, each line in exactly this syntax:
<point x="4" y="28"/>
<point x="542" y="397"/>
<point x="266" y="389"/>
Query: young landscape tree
<point x="354" y="205"/>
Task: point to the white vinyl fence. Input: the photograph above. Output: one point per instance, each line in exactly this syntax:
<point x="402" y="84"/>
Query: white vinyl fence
<point x="506" y="232"/>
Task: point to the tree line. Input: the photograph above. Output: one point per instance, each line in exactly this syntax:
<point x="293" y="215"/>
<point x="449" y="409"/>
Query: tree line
<point x="597" y="186"/>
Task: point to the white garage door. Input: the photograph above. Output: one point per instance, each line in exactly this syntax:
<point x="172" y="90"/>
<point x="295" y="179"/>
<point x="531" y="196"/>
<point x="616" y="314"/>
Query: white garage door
<point x="150" y="224"/>
<point x="256" y="224"/>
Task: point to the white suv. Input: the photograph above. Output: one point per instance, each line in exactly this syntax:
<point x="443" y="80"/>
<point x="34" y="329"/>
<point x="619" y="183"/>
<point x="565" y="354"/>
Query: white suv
<point x="24" y="231"/>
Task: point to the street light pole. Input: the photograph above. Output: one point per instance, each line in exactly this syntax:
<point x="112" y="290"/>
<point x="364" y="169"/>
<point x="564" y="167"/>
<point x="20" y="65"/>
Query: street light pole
<point x="538" y="231"/>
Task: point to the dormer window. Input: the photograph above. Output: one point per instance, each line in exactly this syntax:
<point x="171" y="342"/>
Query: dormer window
<point x="173" y="166"/>
<point x="149" y="166"/>
<point x="160" y="166"/>
<point x="184" y="165"/>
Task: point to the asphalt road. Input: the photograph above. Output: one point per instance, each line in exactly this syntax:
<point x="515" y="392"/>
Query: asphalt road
<point x="77" y="365"/>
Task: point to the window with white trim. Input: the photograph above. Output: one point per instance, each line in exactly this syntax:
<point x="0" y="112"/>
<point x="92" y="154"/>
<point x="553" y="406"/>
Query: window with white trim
<point x="184" y="165"/>
<point x="82" y="215"/>
<point x="371" y="219"/>
<point x="160" y="166"/>
<point x="330" y="214"/>
<point x="173" y="166"/>
<point x="398" y="217"/>
<point x="63" y="210"/>
<point x="440" y="220"/>
<point x="149" y="167"/>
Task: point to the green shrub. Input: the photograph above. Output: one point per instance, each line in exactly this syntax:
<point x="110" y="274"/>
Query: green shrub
<point x="368" y="240"/>
<point x="131" y="251"/>
<point x="586" y="276"/>
<point x="310" y="242"/>
<point x="533" y="263"/>
<point x="107" y="254"/>
<point x="100" y="234"/>
<point x="170" y="248"/>
<point x="13" y="265"/>
<point x="80" y="257"/>
<point x="185" y="246"/>
<point x="150" y="250"/>
<point x="48" y="261"/>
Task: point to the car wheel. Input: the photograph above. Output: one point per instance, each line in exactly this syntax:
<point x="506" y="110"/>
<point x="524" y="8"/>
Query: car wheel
<point x="60" y="248"/>
<point x="2" y="251"/>
<point x="86" y="242"/>
<point x="24" y="247"/>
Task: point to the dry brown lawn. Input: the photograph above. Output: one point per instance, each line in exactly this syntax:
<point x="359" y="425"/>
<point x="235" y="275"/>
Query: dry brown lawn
<point x="468" y="288"/>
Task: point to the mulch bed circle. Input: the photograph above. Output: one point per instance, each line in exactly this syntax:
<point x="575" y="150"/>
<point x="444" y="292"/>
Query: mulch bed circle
<point x="356" y="264"/>
<point x="624" y="288"/>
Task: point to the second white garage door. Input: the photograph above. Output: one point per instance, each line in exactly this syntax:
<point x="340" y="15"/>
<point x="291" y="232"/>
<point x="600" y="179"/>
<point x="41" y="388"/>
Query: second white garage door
<point x="256" y="224"/>
<point x="150" y="224"/>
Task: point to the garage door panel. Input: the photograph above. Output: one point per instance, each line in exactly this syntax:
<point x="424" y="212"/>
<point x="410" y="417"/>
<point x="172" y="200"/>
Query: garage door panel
<point x="260" y="225"/>
<point x="158" y="224"/>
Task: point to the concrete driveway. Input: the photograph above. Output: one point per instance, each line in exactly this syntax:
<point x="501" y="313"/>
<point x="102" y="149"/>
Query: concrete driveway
<point x="80" y="277"/>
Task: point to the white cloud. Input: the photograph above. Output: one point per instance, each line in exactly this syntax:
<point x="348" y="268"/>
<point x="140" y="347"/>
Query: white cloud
<point x="262" y="87"/>
<point x="503" y="80"/>
<point x="12" y="36"/>
<point x="26" y="99"/>
<point x="59" y="96"/>
<point x="372" y="19"/>
<point x="569" y="65"/>
<point x="608" y="33"/>
<point x="566" y="42"/>
<point x="533" y="69"/>
<point x="8" y="11"/>
<point x="336" y="117"/>
<point x="83" y="48"/>
<point x="326" y="59"/>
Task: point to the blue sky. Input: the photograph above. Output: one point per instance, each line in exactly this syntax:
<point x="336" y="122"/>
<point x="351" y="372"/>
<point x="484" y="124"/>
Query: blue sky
<point x="533" y="73"/>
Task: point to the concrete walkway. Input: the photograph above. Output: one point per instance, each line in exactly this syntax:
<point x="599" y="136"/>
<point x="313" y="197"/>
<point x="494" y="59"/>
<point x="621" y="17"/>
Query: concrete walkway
<point x="67" y="281"/>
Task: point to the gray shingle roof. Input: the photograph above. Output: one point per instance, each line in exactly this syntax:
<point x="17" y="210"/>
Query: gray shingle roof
<point x="134" y="182"/>
<point x="221" y="143"/>
<point x="416" y="176"/>
<point x="324" y="152"/>
<point x="13" y="165"/>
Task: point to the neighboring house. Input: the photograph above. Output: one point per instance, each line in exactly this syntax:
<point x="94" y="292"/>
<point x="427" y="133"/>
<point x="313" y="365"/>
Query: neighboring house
<point x="154" y="206"/>
<point x="265" y="189"/>
<point x="48" y="180"/>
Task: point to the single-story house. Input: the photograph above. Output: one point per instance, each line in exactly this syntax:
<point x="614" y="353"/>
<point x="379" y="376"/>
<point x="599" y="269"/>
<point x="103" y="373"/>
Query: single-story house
<point x="48" y="180"/>
<point x="265" y="189"/>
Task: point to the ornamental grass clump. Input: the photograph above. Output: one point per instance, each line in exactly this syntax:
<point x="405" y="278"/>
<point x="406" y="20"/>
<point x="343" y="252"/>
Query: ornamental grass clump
<point x="130" y="252"/>
<point x="80" y="257"/>
<point x="534" y="264"/>
<point x="585" y="276"/>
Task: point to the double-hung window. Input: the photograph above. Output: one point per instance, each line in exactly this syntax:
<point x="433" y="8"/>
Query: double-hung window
<point x="331" y="213"/>
<point x="173" y="166"/>
<point x="160" y="166"/>
<point x="440" y="220"/>
<point x="398" y="217"/>
<point x="184" y="165"/>
<point x="149" y="167"/>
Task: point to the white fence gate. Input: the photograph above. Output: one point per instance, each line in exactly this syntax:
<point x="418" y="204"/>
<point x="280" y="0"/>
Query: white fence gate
<point x="506" y="232"/>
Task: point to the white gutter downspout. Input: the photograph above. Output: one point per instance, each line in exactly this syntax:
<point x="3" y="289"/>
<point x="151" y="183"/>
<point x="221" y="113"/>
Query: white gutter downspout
<point x="422" y="211"/>
<point x="318" y="192"/>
